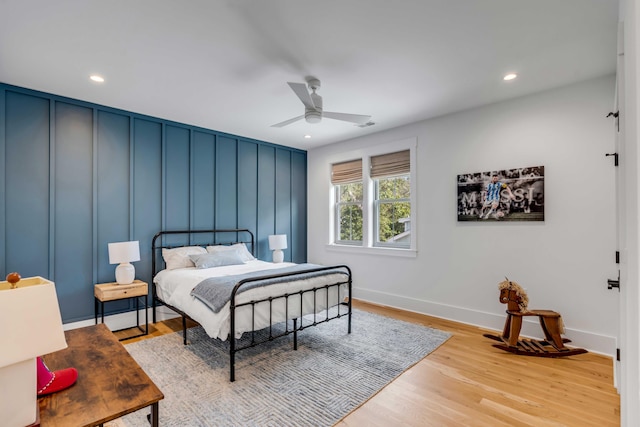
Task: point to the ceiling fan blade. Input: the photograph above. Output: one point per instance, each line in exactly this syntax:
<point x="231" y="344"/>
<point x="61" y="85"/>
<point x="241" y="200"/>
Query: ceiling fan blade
<point x="287" y="122"/>
<point x="353" y="118"/>
<point x="301" y="90"/>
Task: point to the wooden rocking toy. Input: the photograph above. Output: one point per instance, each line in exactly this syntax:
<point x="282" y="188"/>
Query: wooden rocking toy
<point x="517" y="300"/>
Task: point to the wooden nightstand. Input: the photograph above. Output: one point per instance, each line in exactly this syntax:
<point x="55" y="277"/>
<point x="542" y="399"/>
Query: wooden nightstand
<point x="105" y="292"/>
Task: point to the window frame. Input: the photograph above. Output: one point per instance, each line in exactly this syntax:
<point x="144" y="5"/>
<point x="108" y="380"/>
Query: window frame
<point x="368" y="221"/>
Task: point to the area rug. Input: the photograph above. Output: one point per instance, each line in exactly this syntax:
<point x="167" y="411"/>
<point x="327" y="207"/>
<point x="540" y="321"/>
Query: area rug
<point x="330" y="374"/>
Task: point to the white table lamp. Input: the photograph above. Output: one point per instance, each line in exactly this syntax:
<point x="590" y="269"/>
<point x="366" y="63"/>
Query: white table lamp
<point x="123" y="253"/>
<point x="30" y="326"/>
<point x="277" y="242"/>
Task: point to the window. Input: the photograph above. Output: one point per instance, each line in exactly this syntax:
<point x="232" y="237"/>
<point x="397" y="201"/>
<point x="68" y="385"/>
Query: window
<point x="374" y="200"/>
<point x="393" y="211"/>
<point x="349" y="212"/>
<point x="392" y="199"/>
<point x="347" y="180"/>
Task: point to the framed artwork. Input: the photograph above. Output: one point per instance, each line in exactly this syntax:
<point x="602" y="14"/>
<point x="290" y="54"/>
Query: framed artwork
<point x="504" y="195"/>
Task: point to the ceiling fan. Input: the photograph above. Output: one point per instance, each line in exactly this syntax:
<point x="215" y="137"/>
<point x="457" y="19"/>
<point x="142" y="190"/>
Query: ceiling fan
<point x="313" y="112"/>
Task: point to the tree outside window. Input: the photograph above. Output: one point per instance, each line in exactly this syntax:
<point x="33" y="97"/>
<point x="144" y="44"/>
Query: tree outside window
<point x="393" y="211"/>
<point x="349" y="212"/>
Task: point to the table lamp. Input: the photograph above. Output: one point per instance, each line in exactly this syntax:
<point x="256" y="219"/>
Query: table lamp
<point x="277" y="242"/>
<point x="123" y="253"/>
<point x="30" y="326"/>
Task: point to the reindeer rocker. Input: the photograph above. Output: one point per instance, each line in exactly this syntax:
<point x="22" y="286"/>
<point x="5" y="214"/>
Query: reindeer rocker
<point x="517" y="300"/>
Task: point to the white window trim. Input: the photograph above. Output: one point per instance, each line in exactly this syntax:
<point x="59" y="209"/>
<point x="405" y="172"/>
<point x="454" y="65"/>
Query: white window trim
<point x="372" y="250"/>
<point x="368" y="234"/>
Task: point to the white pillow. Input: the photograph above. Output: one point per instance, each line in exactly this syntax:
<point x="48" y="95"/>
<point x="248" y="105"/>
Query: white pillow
<point x="179" y="257"/>
<point x="240" y="248"/>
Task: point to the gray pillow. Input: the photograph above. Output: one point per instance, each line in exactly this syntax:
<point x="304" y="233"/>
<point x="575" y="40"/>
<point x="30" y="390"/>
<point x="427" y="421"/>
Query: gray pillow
<point x="218" y="259"/>
<point x="240" y="248"/>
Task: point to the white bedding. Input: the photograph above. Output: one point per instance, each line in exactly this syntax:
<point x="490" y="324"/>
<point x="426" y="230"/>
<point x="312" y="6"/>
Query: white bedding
<point x="174" y="287"/>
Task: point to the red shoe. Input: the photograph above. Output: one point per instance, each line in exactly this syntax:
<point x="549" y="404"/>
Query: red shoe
<point x="50" y="382"/>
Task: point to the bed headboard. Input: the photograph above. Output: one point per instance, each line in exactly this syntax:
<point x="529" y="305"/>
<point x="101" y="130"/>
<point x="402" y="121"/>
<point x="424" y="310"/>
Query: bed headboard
<point x="176" y="238"/>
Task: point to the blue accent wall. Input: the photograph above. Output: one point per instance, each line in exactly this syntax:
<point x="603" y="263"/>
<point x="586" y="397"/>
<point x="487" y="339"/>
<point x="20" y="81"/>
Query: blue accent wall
<point x="77" y="176"/>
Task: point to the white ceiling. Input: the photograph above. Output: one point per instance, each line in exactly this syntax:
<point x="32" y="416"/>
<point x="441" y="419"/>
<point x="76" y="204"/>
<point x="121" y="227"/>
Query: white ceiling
<point x="224" y="65"/>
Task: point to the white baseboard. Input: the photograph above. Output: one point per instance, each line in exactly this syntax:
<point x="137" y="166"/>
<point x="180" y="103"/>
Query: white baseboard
<point x="593" y="342"/>
<point x="125" y="320"/>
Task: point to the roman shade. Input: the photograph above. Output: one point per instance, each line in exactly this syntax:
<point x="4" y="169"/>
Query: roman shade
<point x="346" y="172"/>
<point x="390" y="164"/>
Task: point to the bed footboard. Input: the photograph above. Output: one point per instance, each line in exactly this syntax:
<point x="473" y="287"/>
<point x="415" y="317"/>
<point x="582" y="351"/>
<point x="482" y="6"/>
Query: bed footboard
<point x="297" y="322"/>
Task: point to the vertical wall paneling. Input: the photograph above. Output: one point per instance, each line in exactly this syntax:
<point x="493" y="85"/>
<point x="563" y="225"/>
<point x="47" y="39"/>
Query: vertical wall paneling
<point x="226" y="187"/>
<point x="203" y="166"/>
<point x="298" y="238"/>
<point x="52" y="187"/>
<point x="26" y="170"/>
<point x="3" y="189"/>
<point x="113" y="187"/>
<point x="163" y="183"/>
<point x="177" y="172"/>
<point x="147" y="190"/>
<point x="283" y="197"/>
<point x="132" y="159"/>
<point x="71" y="206"/>
<point x="266" y="200"/>
<point x="191" y="181"/>
<point x="94" y="199"/>
<point x="77" y="176"/>
<point x="248" y="186"/>
<point x="114" y="130"/>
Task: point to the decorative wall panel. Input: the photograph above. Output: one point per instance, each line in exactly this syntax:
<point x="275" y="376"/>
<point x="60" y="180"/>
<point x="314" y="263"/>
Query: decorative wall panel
<point x="78" y="176"/>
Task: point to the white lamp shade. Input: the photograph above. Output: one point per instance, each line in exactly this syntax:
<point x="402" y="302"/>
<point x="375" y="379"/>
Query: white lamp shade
<point x="30" y="326"/>
<point x="122" y="252"/>
<point x="278" y="241"/>
<point x="30" y="321"/>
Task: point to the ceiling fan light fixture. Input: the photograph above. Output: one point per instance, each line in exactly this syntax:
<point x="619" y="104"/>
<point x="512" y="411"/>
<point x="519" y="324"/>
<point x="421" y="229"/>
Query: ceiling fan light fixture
<point x="313" y="117"/>
<point x="510" y="76"/>
<point x="97" y="78"/>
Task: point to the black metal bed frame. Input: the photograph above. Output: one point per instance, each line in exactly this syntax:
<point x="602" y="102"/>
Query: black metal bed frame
<point x="234" y="346"/>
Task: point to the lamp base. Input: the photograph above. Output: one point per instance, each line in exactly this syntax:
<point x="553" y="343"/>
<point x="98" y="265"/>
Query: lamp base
<point x="36" y="423"/>
<point x="18" y="400"/>
<point x="278" y="256"/>
<point x="125" y="273"/>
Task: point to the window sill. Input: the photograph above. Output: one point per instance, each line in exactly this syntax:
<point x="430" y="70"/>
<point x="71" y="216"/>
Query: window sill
<point x="405" y="253"/>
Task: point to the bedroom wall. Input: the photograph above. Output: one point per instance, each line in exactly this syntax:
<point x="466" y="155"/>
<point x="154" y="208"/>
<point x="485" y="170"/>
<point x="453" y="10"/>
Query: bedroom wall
<point x="76" y="176"/>
<point x="563" y="262"/>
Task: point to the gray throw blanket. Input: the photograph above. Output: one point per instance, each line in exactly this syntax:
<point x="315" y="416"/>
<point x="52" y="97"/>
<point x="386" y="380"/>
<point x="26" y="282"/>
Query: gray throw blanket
<point x="215" y="292"/>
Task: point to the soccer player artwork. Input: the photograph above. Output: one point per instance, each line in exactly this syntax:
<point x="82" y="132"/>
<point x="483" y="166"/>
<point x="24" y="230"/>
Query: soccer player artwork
<point x="504" y="195"/>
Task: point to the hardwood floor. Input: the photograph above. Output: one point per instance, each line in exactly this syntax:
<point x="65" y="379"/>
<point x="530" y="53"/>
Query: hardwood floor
<point x="467" y="382"/>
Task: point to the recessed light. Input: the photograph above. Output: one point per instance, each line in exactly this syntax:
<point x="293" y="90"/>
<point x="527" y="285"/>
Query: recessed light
<point x="97" y="78"/>
<point x="307" y="137"/>
<point x="510" y="76"/>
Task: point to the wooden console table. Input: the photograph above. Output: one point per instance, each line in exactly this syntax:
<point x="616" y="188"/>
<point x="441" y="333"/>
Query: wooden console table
<point x="110" y="382"/>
